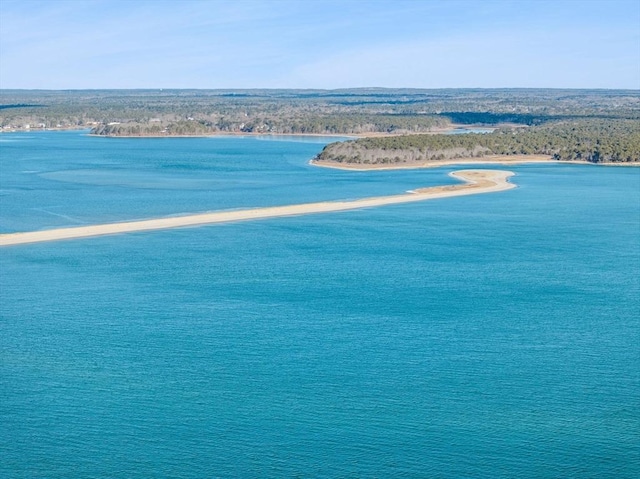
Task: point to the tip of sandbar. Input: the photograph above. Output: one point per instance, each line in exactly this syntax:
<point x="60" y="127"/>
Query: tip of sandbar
<point x="474" y="182"/>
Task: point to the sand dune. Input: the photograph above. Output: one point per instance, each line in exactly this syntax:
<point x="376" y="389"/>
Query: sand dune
<point x="475" y="181"/>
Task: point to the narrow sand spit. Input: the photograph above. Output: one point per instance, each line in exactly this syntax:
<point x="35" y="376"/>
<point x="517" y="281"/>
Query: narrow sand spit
<point x="476" y="181"/>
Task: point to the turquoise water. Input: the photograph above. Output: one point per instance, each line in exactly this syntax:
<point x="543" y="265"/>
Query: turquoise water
<point x="482" y="336"/>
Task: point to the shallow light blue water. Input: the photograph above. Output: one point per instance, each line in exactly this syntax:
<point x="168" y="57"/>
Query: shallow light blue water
<point x="483" y="336"/>
<point x="81" y="179"/>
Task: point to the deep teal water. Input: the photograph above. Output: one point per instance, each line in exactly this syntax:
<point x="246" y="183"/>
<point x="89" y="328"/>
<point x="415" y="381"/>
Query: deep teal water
<point x="483" y="336"/>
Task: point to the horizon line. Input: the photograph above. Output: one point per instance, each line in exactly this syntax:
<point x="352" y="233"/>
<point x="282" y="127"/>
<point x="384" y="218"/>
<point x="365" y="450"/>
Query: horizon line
<point x="316" y="89"/>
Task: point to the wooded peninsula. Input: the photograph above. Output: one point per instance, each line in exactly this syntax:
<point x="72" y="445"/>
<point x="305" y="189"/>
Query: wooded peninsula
<point x="401" y="126"/>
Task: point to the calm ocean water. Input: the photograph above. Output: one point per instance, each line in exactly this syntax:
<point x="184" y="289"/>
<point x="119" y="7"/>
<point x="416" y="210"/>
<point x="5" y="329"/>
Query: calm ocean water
<point x="492" y="336"/>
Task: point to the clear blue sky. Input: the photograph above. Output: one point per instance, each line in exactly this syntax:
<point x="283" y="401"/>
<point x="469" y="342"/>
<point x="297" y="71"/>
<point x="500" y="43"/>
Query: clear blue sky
<point x="69" y="44"/>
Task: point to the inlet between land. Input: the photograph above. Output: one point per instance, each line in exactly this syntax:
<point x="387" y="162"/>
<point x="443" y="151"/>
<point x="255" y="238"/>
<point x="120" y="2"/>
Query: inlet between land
<point x="474" y="182"/>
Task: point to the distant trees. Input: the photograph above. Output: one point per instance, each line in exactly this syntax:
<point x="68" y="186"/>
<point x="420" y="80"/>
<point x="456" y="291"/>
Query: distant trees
<point x="589" y="125"/>
<point x="394" y="111"/>
<point x="311" y="123"/>
<point x="594" y="141"/>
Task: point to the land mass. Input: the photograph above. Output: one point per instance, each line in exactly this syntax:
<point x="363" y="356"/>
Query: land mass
<point x="401" y="127"/>
<point x="474" y="182"/>
<point x="594" y="141"/>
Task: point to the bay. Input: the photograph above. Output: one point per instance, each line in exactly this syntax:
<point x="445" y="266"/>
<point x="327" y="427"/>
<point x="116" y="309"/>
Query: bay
<point x="483" y="336"/>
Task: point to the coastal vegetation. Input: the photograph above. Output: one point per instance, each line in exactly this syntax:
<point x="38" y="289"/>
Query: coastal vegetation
<point x="311" y="123"/>
<point x="595" y="141"/>
<point x="587" y="125"/>
<point x="292" y="111"/>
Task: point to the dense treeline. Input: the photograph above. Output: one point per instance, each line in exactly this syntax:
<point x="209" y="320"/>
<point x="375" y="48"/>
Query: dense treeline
<point x="307" y="124"/>
<point x="594" y="141"/>
<point x="356" y="111"/>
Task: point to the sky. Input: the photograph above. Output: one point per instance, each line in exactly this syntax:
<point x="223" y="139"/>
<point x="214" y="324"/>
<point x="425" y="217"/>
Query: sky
<point x="95" y="44"/>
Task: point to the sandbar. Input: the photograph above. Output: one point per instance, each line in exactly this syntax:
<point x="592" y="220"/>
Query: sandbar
<point x="474" y="182"/>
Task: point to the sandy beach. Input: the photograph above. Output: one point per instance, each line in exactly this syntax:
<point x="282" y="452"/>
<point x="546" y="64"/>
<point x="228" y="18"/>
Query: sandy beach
<point x="503" y="160"/>
<point x="474" y="182"/>
<point x="490" y="159"/>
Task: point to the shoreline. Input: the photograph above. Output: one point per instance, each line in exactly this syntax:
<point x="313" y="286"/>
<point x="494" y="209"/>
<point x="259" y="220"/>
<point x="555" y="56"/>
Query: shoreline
<point x="443" y="130"/>
<point x="474" y="182"/>
<point x="233" y="134"/>
<point x="488" y="160"/>
<point x="371" y="134"/>
<point x="503" y="160"/>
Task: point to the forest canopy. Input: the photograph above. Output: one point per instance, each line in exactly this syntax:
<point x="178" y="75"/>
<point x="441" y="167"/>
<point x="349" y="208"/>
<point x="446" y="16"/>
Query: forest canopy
<point x="595" y="141"/>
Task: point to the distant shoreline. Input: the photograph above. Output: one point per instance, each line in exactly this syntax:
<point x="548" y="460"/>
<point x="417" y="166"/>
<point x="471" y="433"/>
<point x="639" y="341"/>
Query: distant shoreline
<point x="39" y="129"/>
<point x="488" y="160"/>
<point x="372" y="134"/>
<point x="474" y="182"/>
<point x="234" y="134"/>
